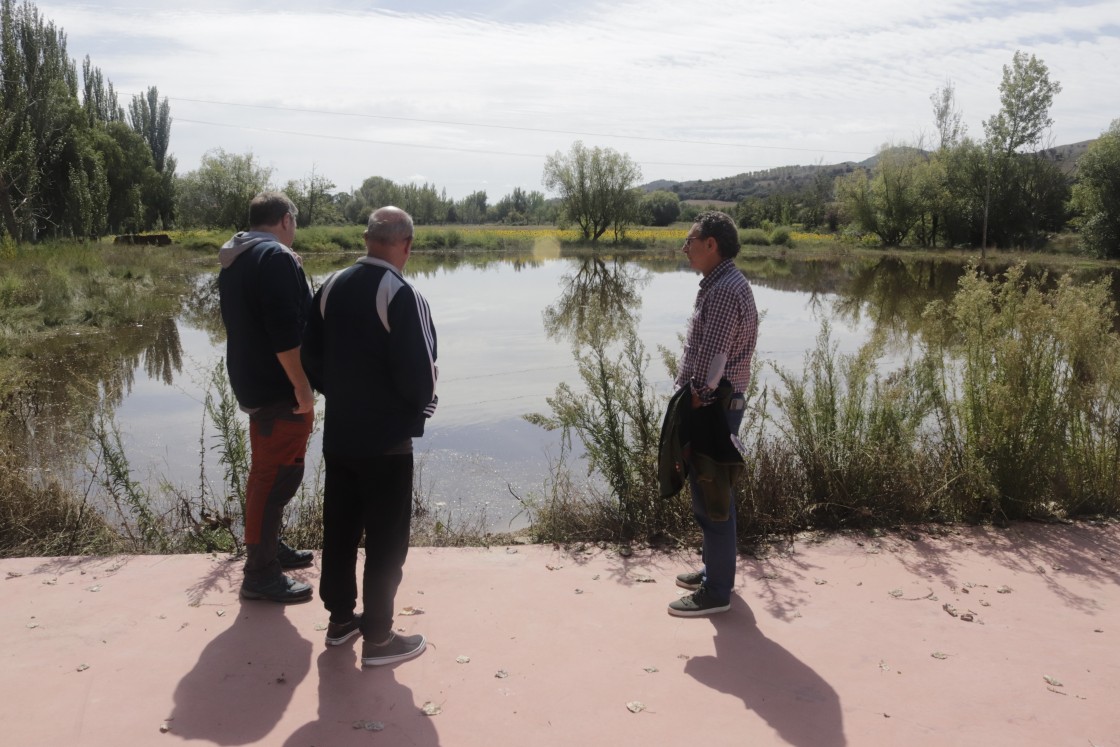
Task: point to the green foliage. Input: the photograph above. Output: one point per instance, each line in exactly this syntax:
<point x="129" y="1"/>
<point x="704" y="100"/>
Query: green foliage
<point x="780" y="236"/>
<point x="521" y="208"/>
<point x="423" y="202"/>
<point x="143" y="528"/>
<point x="472" y="208"/>
<point x="41" y="517"/>
<point x="313" y="199"/>
<point x="66" y="167"/>
<point x="1028" y="395"/>
<point x="1097" y="194"/>
<point x="1011" y="409"/>
<point x="887" y="203"/>
<point x="217" y="194"/>
<point x="854" y="435"/>
<point x="1025" y="94"/>
<point x="151" y="119"/>
<point x="328" y="239"/>
<point x="754" y="237"/>
<point x="617" y="421"/>
<point x="597" y="188"/>
<point x="232" y="439"/>
<point x="660" y="208"/>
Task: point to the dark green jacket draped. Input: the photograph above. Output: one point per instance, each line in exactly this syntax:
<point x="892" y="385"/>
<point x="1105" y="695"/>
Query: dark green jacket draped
<point x="699" y="439"/>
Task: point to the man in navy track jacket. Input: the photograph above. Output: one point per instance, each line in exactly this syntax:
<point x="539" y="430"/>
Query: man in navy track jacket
<point x="370" y="348"/>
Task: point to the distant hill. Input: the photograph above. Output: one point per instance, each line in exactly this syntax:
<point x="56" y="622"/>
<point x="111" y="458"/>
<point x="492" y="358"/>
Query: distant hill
<point x="754" y="183"/>
<point x="732" y="189"/>
<point x="1066" y="156"/>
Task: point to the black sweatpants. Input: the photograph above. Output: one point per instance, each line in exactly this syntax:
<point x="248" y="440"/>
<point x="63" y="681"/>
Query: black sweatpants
<point x="374" y="495"/>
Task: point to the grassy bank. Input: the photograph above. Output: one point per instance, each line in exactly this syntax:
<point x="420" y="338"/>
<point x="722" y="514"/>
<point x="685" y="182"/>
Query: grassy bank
<point x="779" y="242"/>
<point x="316" y="239"/>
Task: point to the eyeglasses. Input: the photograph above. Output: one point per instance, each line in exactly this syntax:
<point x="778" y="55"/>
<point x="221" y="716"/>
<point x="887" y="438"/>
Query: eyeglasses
<point x="688" y="241"/>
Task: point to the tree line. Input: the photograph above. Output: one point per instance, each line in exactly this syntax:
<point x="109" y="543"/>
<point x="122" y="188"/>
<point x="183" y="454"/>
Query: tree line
<point x="1003" y="189"/>
<point x="74" y="163"/>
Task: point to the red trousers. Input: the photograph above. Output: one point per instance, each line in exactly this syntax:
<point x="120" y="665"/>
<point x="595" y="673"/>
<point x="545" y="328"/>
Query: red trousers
<point x="278" y="439"/>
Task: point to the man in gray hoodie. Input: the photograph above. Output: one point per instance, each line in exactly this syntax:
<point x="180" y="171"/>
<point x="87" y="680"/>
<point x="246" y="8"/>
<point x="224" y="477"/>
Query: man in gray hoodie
<point x="265" y="299"/>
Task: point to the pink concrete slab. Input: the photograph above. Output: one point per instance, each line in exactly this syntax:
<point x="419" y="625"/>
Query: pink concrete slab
<point x="978" y="637"/>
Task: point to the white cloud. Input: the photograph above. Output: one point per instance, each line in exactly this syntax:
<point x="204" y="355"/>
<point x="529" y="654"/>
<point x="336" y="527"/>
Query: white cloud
<point x="791" y="82"/>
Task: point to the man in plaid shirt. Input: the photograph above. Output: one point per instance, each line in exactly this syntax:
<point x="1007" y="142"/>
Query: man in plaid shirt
<point x="720" y="344"/>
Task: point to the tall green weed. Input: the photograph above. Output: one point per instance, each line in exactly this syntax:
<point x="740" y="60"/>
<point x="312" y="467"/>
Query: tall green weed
<point x="1028" y="394"/>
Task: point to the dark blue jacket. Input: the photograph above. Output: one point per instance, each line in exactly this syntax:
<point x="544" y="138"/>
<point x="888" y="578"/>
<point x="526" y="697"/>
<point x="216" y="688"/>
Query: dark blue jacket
<point x="264" y="300"/>
<point x="370" y="347"/>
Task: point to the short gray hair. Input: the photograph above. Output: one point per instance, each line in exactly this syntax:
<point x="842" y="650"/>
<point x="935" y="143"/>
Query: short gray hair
<point x="388" y="225"/>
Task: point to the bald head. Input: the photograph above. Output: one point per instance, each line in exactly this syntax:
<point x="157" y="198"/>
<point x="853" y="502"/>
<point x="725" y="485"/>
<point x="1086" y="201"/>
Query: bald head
<point x="388" y="235"/>
<point x="388" y="224"/>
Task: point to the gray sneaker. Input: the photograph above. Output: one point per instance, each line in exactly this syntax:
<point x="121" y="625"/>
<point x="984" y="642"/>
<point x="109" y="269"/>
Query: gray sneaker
<point x="397" y="648"/>
<point x="339" y="633"/>
<point x="692" y="580"/>
<point x="696" y="604"/>
<point x="285" y="590"/>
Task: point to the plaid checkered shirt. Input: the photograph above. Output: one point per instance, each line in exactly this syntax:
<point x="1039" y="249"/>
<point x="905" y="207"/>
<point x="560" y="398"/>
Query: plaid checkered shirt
<point x="722" y="333"/>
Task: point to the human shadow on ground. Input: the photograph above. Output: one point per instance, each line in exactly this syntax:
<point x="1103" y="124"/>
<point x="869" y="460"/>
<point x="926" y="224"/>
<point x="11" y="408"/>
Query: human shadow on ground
<point x="244" y="679"/>
<point x="363" y="706"/>
<point x="793" y="699"/>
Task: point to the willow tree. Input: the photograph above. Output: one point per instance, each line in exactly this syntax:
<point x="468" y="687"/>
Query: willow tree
<point x="596" y="186"/>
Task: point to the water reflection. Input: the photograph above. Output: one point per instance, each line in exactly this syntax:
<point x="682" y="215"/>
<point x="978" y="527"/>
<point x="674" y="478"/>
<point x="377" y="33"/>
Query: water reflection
<point x="496" y="361"/>
<point x="69" y="377"/>
<point x="163" y="356"/>
<point x="893" y="294"/>
<point x="202" y="309"/>
<point x="599" y="302"/>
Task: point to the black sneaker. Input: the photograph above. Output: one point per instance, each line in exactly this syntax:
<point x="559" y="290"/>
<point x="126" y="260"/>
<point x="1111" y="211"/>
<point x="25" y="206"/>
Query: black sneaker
<point x="339" y="633"/>
<point x="696" y="604"/>
<point x="284" y="589"/>
<point x="397" y="648"/>
<point x="291" y="558"/>
<point x="692" y="580"/>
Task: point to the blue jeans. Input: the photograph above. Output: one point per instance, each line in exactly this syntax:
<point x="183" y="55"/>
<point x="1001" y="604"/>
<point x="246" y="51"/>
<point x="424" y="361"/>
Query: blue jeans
<point x="720" y="548"/>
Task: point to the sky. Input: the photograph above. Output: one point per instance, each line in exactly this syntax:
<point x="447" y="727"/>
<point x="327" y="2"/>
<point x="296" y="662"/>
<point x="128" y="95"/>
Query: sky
<point x="474" y="95"/>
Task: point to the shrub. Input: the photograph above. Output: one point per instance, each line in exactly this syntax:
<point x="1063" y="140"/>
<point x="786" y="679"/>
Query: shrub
<point x="754" y="237"/>
<point x="42" y="518"/>
<point x="618" y="421"/>
<point x="780" y="236"/>
<point x="1029" y="395"/>
<point x="854" y="435"/>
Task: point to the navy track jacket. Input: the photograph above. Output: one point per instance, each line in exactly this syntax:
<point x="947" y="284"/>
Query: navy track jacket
<point x="370" y="348"/>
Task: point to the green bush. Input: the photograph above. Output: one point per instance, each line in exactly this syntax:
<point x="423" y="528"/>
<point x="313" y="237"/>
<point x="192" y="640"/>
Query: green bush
<point x="618" y="422"/>
<point x="754" y="237"/>
<point x="1029" y="395"/>
<point x="854" y="436"/>
<point x="780" y="236"/>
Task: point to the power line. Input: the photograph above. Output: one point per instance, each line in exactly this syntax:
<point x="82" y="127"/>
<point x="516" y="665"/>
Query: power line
<point x="357" y="139"/>
<point x="455" y="149"/>
<point x="578" y="133"/>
